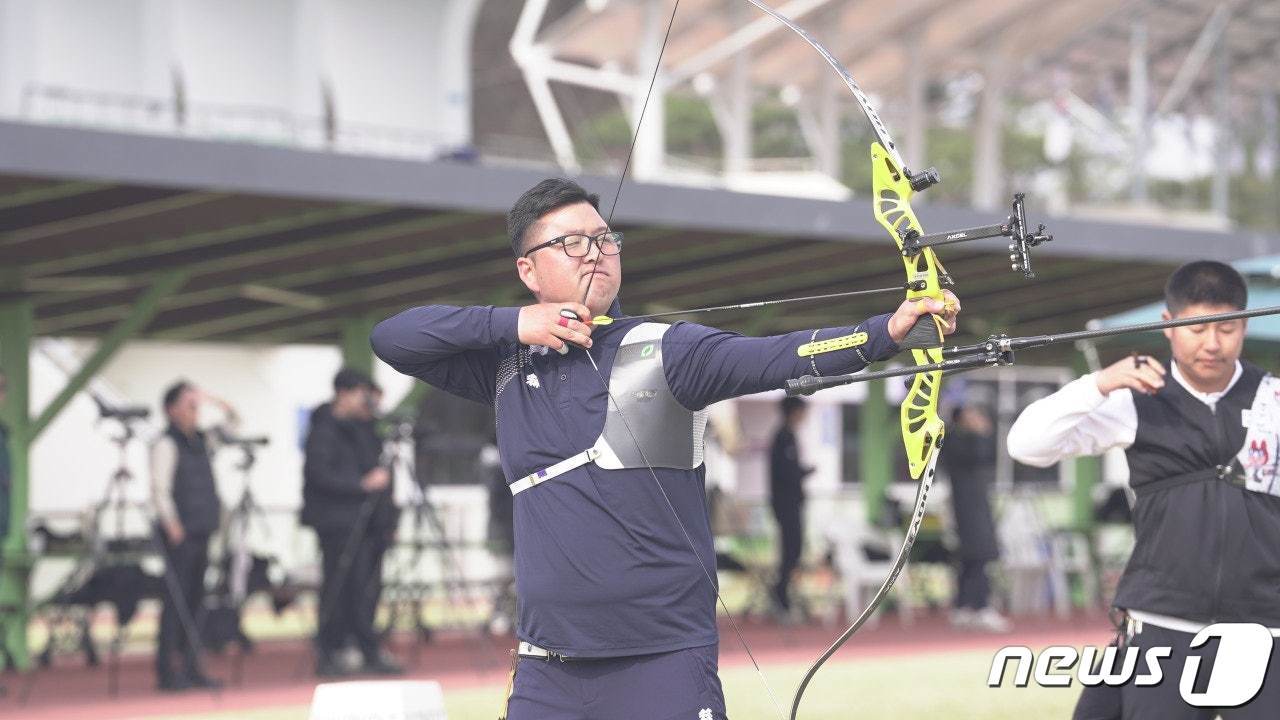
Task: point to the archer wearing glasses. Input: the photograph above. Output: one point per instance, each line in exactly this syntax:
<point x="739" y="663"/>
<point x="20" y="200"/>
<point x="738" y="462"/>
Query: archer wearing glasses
<point x="602" y="451"/>
<point x="576" y="246"/>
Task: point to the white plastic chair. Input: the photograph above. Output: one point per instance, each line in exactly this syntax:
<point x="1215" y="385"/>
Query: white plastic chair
<point x="861" y="577"/>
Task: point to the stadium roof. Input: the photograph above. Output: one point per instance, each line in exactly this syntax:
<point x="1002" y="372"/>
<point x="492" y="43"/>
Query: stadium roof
<point x="1088" y="40"/>
<point x="282" y="245"/>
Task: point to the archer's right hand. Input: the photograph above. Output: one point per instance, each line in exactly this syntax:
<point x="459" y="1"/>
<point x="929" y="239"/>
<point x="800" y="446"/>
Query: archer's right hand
<point x="375" y="480"/>
<point x="1141" y="373"/>
<point x="174" y="531"/>
<point x="542" y="324"/>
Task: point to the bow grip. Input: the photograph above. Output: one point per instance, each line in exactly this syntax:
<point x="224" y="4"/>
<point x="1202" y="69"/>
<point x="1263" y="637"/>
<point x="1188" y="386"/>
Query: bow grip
<point x="926" y="333"/>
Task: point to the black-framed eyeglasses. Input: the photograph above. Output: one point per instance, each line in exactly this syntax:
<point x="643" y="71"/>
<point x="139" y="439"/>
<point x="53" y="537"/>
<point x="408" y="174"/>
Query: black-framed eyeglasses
<point x="576" y="246"/>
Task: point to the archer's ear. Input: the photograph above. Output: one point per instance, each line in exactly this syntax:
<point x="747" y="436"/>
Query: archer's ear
<point x="528" y="276"/>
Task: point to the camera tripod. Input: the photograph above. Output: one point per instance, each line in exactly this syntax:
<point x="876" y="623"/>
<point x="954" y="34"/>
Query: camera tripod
<point x="428" y="534"/>
<point x="106" y="549"/>
<point x="99" y="546"/>
<point x="235" y="567"/>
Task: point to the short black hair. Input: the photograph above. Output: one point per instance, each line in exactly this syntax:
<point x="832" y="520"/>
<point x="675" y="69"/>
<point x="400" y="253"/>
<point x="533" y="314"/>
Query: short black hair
<point x="1205" y="282"/>
<point x="350" y="378"/>
<point x="958" y="411"/>
<point x="548" y="195"/>
<point x="174" y="392"/>
<point x="791" y="405"/>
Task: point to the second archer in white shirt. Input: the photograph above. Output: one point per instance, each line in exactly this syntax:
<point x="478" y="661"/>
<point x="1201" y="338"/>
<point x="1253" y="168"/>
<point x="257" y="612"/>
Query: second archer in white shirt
<point x="1200" y="440"/>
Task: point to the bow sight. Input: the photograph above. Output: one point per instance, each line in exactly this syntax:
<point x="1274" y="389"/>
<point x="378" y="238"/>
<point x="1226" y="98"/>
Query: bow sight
<point x="1015" y="228"/>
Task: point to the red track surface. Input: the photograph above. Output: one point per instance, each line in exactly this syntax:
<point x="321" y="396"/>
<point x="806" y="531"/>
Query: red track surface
<point x="279" y="673"/>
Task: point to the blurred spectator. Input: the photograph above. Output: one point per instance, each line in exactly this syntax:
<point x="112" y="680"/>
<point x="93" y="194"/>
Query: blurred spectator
<point x="346" y="498"/>
<point x="501" y="536"/>
<point x="786" y="496"/>
<point x="969" y="458"/>
<point x="188" y="510"/>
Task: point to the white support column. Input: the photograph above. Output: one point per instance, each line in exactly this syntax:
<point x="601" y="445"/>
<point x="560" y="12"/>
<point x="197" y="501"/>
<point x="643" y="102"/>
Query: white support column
<point x="1196" y="57"/>
<point x="819" y="117"/>
<point x="461" y="18"/>
<point x="915" y="152"/>
<point x="530" y="58"/>
<point x="1221" y="190"/>
<point x="736" y="128"/>
<point x="827" y="151"/>
<point x="1139" y="107"/>
<point x="651" y="135"/>
<point x="20" y="69"/>
<point x="311" y="98"/>
<point x="1269" y="143"/>
<point x="988" y="141"/>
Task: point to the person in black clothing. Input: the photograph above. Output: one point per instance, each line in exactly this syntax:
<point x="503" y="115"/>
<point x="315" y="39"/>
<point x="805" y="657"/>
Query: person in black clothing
<point x="346" y="499"/>
<point x="970" y="462"/>
<point x="786" y="496"/>
<point x="188" y="511"/>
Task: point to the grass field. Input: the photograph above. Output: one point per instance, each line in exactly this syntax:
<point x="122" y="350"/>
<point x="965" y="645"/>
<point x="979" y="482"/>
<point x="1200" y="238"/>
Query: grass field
<point x="949" y="685"/>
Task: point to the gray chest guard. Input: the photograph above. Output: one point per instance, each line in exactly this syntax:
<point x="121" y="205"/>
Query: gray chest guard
<point x="669" y="434"/>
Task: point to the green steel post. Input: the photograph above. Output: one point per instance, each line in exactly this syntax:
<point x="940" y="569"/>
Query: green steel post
<point x="144" y="309"/>
<point x="16" y="321"/>
<point x="356" y="352"/>
<point x="877" y="444"/>
<point x="1088" y="475"/>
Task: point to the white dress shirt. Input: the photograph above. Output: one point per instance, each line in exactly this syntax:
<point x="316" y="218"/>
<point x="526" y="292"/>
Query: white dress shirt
<point x="1079" y="420"/>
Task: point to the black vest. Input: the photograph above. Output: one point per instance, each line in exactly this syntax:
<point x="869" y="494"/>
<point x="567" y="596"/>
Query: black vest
<point x="1206" y="548"/>
<point x="194" y="492"/>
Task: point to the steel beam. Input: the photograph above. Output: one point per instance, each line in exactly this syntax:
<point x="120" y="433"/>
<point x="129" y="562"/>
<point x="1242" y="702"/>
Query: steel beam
<point x="208" y="238"/>
<point x="46" y="193"/>
<point x="357" y="354"/>
<point x="15" y="565"/>
<point x="247" y="260"/>
<point x="876" y="446"/>
<point x="108" y="217"/>
<point x="144" y="310"/>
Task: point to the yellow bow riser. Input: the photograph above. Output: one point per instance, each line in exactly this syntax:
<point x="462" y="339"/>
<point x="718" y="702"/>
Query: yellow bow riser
<point x="922" y="429"/>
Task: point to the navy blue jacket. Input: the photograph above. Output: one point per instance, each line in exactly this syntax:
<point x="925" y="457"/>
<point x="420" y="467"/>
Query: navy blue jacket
<point x="602" y="568"/>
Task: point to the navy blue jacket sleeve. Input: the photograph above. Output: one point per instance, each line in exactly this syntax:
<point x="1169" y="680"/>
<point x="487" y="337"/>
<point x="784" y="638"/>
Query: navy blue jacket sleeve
<point x="704" y="365"/>
<point x="452" y="348"/>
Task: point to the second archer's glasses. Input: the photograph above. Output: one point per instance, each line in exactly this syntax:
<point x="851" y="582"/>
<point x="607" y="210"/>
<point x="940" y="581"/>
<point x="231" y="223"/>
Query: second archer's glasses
<point x="576" y="246"/>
